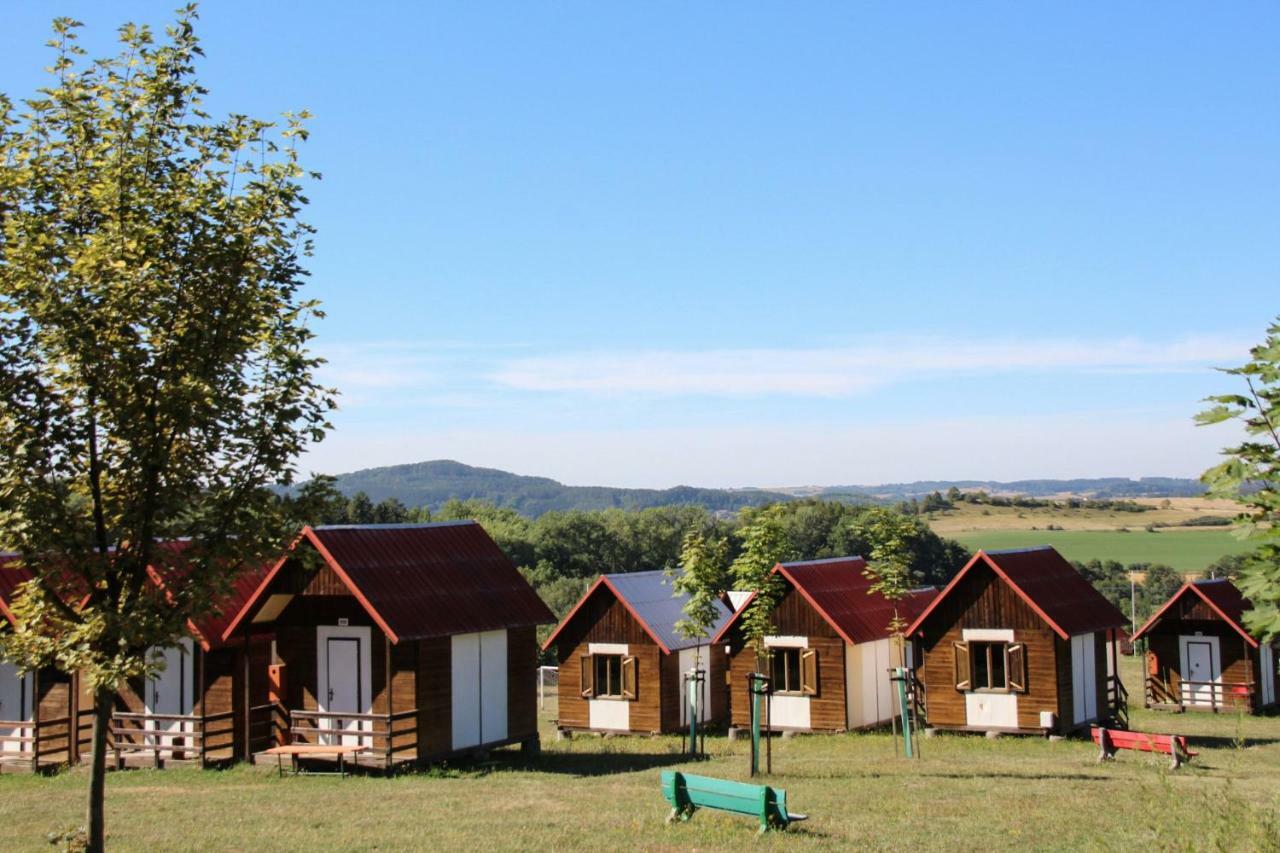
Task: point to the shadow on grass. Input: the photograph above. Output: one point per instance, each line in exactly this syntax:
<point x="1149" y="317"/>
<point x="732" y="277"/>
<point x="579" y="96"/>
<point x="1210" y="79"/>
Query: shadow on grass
<point x="972" y="777"/>
<point x="601" y="763"/>
<point x="1226" y="742"/>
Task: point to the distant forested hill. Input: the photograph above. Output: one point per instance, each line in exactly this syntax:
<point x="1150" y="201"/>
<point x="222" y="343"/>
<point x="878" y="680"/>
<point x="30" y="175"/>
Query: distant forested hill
<point x="433" y="483"/>
<point x="1095" y="487"/>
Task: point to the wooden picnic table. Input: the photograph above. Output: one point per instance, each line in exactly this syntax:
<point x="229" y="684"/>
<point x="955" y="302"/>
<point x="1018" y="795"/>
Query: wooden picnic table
<point x="296" y="750"/>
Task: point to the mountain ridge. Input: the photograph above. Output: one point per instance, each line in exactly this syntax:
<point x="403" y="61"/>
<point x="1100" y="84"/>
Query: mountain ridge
<point x="434" y="482"/>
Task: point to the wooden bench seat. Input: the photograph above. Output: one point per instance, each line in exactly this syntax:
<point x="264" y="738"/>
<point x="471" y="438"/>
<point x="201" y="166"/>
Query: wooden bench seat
<point x="314" y="750"/>
<point x="1110" y="740"/>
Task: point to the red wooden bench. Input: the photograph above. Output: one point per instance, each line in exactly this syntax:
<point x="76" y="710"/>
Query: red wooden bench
<point x="1109" y="740"/>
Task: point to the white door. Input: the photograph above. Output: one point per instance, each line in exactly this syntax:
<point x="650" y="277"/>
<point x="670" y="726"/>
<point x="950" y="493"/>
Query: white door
<point x="15" y="706"/>
<point x="1268" y="675"/>
<point x="465" y="693"/>
<point x="170" y="693"/>
<point x="344" y="681"/>
<point x="1084" y="678"/>
<point x="689" y="658"/>
<point x="1200" y="671"/>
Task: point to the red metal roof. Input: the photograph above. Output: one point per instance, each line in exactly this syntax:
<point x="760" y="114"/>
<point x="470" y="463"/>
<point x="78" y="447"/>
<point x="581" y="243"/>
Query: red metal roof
<point x="420" y="580"/>
<point x="1223" y="598"/>
<point x="840" y="592"/>
<point x="12" y="575"/>
<point x="1049" y="585"/>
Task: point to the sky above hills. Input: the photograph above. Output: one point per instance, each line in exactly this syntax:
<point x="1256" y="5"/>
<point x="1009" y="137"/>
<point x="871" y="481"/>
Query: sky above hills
<point x="765" y="244"/>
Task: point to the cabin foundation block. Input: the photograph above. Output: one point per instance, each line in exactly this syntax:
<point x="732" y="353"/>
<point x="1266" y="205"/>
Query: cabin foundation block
<point x="991" y="735"/>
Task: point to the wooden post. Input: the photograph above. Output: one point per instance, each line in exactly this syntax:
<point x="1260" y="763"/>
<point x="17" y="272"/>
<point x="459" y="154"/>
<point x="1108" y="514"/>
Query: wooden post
<point x="246" y="701"/>
<point x="391" y="705"/>
<point x="73" y="719"/>
<point x="35" y="719"/>
<point x="201" y="726"/>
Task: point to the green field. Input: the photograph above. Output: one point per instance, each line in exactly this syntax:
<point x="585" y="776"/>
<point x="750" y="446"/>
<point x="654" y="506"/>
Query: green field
<point x="1185" y="550"/>
<point x="966" y="793"/>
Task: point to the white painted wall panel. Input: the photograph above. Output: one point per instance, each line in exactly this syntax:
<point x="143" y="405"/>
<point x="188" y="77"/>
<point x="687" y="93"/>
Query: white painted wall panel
<point x="1084" y="679"/>
<point x="688" y="659"/>
<point x="609" y="715"/>
<point x="466" y="690"/>
<point x="790" y="712"/>
<point x="991" y="710"/>
<point x="493" y="686"/>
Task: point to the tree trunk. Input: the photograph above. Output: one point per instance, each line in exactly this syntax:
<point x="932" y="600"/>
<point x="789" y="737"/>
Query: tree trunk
<point x="103" y="705"/>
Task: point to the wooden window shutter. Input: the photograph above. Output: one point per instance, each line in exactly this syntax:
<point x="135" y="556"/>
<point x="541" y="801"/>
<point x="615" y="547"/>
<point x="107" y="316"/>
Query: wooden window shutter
<point x="629" y="674"/>
<point x="809" y="672"/>
<point x="1016" y="666"/>
<point x="587" y="684"/>
<point x="964" y="680"/>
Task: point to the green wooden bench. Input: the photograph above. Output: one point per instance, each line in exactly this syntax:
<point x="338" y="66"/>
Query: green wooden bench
<point x="687" y="792"/>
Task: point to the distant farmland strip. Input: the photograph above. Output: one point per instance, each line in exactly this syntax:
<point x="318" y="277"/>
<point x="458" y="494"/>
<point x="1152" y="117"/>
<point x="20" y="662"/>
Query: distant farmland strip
<point x="1185" y="550"/>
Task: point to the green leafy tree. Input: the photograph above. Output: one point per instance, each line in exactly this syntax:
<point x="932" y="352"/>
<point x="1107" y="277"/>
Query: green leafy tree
<point x="704" y="577"/>
<point x="890" y="536"/>
<point x="1251" y="476"/>
<point x="764" y="545"/>
<point x="155" y="376"/>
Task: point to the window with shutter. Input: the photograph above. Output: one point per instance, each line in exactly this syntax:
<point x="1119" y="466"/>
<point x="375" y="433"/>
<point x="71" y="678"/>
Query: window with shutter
<point x="964" y="680"/>
<point x="809" y="672"/>
<point x="586" y="686"/>
<point x="629" y="675"/>
<point x="1016" y="667"/>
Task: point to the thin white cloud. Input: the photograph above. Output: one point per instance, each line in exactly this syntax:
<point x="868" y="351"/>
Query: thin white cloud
<point x="1079" y="444"/>
<point x="841" y="371"/>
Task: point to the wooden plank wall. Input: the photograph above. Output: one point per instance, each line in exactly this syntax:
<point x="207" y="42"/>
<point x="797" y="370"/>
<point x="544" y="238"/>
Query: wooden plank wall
<point x="54" y="703"/>
<point x="522" y="682"/>
<point x="434" y="692"/>
<point x="1240" y="663"/>
<point x="794" y="616"/>
<point x="218" y="695"/>
<point x="604" y="619"/>
<point x="982" y="600"/>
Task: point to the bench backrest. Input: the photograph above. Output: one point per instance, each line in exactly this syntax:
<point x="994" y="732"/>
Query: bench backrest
<point x="689" y="789"/>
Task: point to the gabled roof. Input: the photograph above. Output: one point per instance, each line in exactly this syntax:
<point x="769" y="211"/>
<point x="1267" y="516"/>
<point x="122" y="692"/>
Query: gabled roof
<point x="1222" y="597"/>
<point x="840" y="593"/>
<point x="418" y="581"/>
<point x="1049" y="585"/>
<point x="649" y="598"/>
<point x="208" y="629"/>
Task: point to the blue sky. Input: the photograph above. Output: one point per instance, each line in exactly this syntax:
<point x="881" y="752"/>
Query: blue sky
<point x="763" y="243"/>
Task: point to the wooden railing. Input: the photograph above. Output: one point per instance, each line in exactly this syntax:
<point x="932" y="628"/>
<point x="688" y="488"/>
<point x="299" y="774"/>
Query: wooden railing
<point x="151" y="733"/>
<point x="1118" y="701"/>
<point x="309" y="727"/>
<point x="1213" y="695"/>
<point x="50" y="738"/>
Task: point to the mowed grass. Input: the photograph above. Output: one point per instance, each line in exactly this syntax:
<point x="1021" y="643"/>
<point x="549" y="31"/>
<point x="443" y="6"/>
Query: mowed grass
<point x="966" y="793"/>
<point x="1188" y="550"/>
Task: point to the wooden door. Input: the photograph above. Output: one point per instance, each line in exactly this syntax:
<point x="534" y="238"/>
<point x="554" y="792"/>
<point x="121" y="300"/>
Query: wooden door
<point x="169" y="693"/>
<point x="1200" y="672"/>
<point x="342" y="686"/>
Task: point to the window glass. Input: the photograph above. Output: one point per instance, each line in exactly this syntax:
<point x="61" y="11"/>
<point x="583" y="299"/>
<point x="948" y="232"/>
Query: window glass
<point x="786" y="670"/>
<point x="608" y="676"/>
<point x="989" y="666"/>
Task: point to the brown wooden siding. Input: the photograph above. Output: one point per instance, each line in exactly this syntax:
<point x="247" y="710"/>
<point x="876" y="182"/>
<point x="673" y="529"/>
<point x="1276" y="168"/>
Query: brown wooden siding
<point x="1240" y="663"/>
<point x="795" y="616"/>
<point x="984" y="601"/>
<point x="522" y="689"/>
<point x="434" y="689"/>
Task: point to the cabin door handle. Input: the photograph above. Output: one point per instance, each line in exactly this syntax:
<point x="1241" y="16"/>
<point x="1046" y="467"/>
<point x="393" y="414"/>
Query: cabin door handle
<point x="330" y="695"/>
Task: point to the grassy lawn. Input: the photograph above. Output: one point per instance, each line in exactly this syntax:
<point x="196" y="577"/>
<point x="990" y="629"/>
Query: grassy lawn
<point x="1184" y="549"/>
<point x="965" y="793"/>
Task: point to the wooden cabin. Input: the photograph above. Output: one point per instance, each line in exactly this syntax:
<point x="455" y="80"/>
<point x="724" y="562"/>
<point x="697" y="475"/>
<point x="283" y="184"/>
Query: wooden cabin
<point x="416" y="640"/>
<point x="194" y="708"/>
<point x="1201" y="657"/>
<point x="623" y="662"/>
<point x="37" y="709"/>
<point x="1019" y="641"/>
<point x="830" y="653"/>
